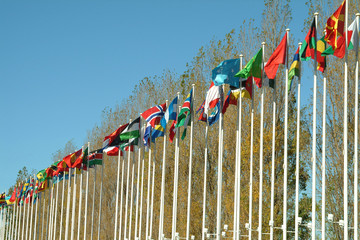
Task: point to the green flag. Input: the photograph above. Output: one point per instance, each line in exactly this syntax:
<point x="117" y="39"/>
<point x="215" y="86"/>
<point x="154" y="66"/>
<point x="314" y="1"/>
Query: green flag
<point x="252" y="68"/>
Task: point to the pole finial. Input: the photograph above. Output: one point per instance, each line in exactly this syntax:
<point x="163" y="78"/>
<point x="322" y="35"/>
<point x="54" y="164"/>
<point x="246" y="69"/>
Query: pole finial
<point x="241" y="55"/>
<point x="288" y="29"/>
<point x="357" y="14"/>
<point x="316" y="13"/>
<point x="263" y="43"/>
<point x="300" y="43"/>
<point x="193" y="84"/>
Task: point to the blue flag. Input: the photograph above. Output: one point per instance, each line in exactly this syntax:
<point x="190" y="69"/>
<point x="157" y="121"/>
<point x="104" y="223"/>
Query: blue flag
<point x="170" y="113"/>
<point x="225" y="71"/>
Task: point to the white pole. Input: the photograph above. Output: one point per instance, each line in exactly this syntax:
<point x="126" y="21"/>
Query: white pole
<point x="152" y="195"/>
<point x="261" y="148"/>
<point x="101" y="193"/>
<point x="356" y="140"/>
<point x="73" y="206"/>
<point x="238" y="162"/>
<point x="93" y="204"/>
<point x="297" y="184"/>
<point x="251" y="161"/>
<point x="142" y="192"/>
<point x="121" y="194"/>
<point x="27" y="218"/>
<point x="220" y="163"/>
<point x="137" y="193"/>
<point x="286" y="140"/>
<point x="205" y="181"/>
<point x="68" y="207"/>
<point x="162" y="197"/>
<point x="80" y="200"/>
<point x="117" y="195"/>
<point x="62" y="206"/>
<point x="148" y="196"/>
<point x="36" y="213"/>
<point x="43" y="217"/>
<point x="52" y="210"/>
<point x="86" y="194"/>
<point x="176" y="176"/>
<point x="17" y="215"/>
<point x="313" y="210"/>
<point x="346" y="203"/>
<point x="32" y="209"/>
<point x="190" y="167"/>
<point x="13" y="232"/>
<point x="49" y="221"/>
<point x="23" y="220"/>
<point x="127" y="192"/>
<point x="132" y="192"/>
<point x="11" y="236"/>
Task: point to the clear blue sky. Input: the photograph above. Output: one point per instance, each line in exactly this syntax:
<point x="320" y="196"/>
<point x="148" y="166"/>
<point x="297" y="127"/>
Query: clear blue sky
<point x="63" y="62"/>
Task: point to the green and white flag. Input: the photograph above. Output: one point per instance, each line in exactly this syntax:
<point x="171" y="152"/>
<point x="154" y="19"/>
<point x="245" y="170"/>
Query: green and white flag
<point x="131" y="131"/>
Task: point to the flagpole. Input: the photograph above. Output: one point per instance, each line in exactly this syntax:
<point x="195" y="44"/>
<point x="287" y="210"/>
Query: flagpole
<point x="86" y="192"/>
<point x="148" y="195"/>
<point x="43" y="216"/>
<point x="23" y="219"/>
<point x="36" y="212"/>
<point x="356" y="140"/>
<point x="152" y="193"/>
<point x="261" y="147"/>
<point x="203" y="234"/>
<point x="15" y="215"/>
<point x="117" y="195"/>
<point x="220" y="163"/>
<point x="62" y="205"/>
<point x="93" y="204"/>
<point x="101" y="193"/>
<point x="127" y="191"/>
<point x="137" y="191"/>
<point x="32" y="208"/>
<point x="80" y="195"/>
<point x="73" y="206"/>
<point x="313" y="204"/>
<point x="176" y="174"/>
<point x="190" y="166"/>
<point x="323" y="165"/>
<point x="68" y="206"/>
<point x="238" y="162"/>
<point x="297" y="174"/>
<point x="20" y="216"/>
<point x="346" y="222"/>
<point x="28" y="215"/>
<point x="48" y="216"/>
<point x="142" y="191"/>
<point x="132" y="191"/>
<point x="162" y="197"/>
<point x="251" y="160"/>
<point x="121" y="194"/>
<point x="52" y="203"/>
<point x="286" y="140"/>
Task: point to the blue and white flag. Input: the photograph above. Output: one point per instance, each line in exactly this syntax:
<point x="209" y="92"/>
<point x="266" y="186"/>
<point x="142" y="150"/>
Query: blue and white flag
<point x="225" y="73"/>
<point x="170" y="114"/>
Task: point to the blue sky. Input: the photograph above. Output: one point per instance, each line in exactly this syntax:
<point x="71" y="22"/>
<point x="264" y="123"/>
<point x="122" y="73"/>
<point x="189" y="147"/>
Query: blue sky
<point x="63" y="62"/>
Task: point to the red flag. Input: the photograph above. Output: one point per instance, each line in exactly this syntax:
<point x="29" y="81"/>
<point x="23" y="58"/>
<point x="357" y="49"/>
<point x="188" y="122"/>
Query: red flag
<point x="278" y="57"/>
<point x="13" y="196"/>
<point x="335" y="26"/>
<point x="172" y="131"/>
<point x="70" y="159"/>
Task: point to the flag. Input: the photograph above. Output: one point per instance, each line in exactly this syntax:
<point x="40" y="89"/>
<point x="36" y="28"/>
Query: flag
<point x="2" y="198"/>
<point x="294" y="69"/>
<point x="212" y="97"/>
<point x="185" y="113"/>
<point x="278" y="57"/>
<point x="214" y="114"/>
<point x="202" y="116"/>
<point x="246" y="90"/>
<point x="170" y="114"/>
<point x="95" y="158"/>
<point x="156" y="132"/>
<point x="147" y="134"/>
<point x="153" y="115"/>
<point x="321" y="60"/>
<point x="335" y="26"/>
<point x="12" y="199"/>
<point x="79" y="161"/>
<point x="231" y="98"/>
<point x="131" y="131"/>
<point x="225" y="73"/>
<point x="253" y="68"/>
<point x="353" y="40"/>
<point x="113" y="139"/>
<point x="172" y="131"/>
<point x="71" y="158"/>
<point x="307" y="48"/>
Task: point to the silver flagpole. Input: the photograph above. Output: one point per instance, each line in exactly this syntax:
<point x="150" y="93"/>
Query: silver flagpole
<point x="286" y="140"/>
<point x="11" y="236"/>
<point x="68" y="207"/>
<point x="313" y="204"/>
<point x="48" y="221"/>
<point x="176" y="175"/>
<point x="93" y="203"/>
<point x="55" y="207"/>
<point x="251" y="161"/>
<point x="152" y="195"/>
<point x="32" y="209"/>
<point x="148" y="196"/>
<point x="28" y="216"/>
<point x="14" y="216"/>
<point x="142" y="191"/>
<point x="23" y="220"/>
<point x="101" y="193"/>
<point x="261" y="169"/>
<point x="220" y="163"/>
<point x="138" y="191"/>
<point x="52" y="213"/>
<point x="43" y="216"/>
<point x="122" y="193"/>
<point x="132" y="192"/>
<point x="127" y="191"/>
<point x="86" y="193"/>
<point x="73" y="206"/>
<point x="346" y="177"/>
<point x="297" y="154"/>
<point x="117" y="195"/>
<point x="190" y="165"/>
<point x="15" y="236"/>
<point x="62" y="206"/>
<point x="36" y="212"/>
<point x="162" y="197"/>
<point x="80" y="198"/>
<point x="203" y="233"/>
<point x="356" y="139"/>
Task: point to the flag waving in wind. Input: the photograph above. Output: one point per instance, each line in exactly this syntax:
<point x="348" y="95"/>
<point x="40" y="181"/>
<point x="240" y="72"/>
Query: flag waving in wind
<point x="278" y="57"/>
<point x="335" y="26"/>
<point x="225" y="73"/>
<point x="185" y="113"/>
